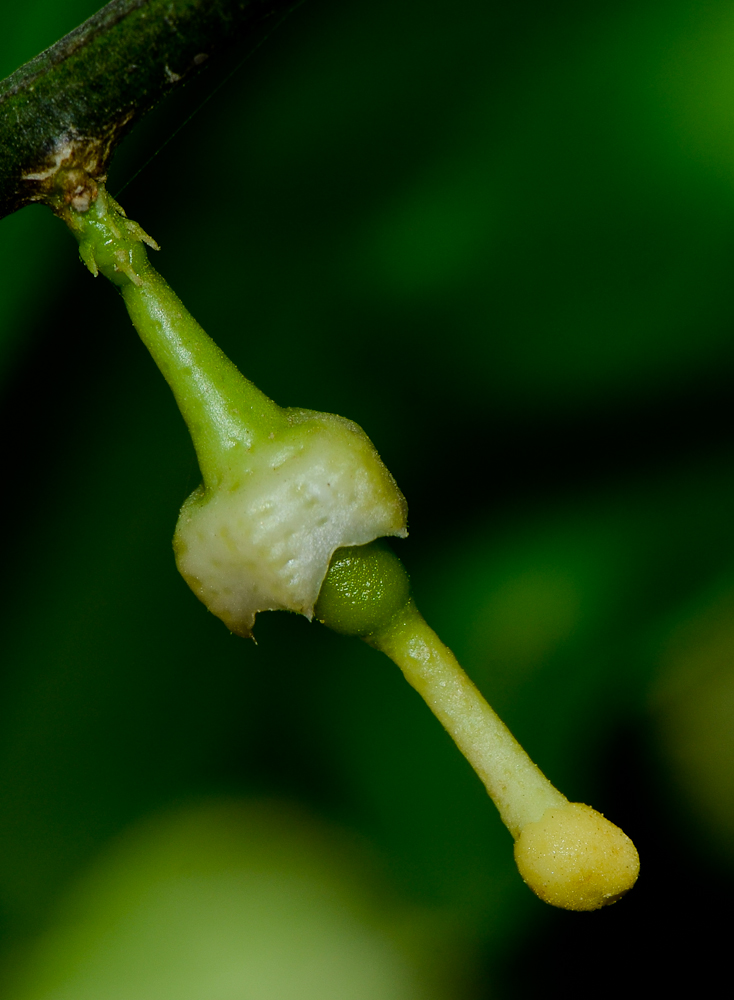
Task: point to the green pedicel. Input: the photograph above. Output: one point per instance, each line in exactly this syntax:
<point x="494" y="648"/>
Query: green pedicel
<point x="287" y="517"/>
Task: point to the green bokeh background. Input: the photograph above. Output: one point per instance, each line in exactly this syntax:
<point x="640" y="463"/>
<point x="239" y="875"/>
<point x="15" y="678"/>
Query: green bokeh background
<point x="500" y="237"/>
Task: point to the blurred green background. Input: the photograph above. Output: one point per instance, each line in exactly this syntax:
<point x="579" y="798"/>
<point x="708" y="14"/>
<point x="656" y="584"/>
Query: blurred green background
<point x="500" y="237"/>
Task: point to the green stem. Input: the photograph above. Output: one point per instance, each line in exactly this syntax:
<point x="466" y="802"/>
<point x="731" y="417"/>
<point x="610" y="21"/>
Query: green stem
<point x="225" y="413"/>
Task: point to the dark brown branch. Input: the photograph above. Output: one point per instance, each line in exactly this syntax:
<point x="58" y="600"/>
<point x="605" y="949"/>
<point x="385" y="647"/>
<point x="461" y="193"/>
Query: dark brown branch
<point x="63" y="113"/>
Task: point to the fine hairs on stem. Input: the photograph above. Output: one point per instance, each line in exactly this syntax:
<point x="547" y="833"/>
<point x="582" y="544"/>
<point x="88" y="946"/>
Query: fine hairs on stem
<point x="289" y="516"/>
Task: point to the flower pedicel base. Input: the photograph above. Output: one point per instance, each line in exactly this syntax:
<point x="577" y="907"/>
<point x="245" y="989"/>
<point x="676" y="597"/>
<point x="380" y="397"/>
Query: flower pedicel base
<point x="289" y="516"/>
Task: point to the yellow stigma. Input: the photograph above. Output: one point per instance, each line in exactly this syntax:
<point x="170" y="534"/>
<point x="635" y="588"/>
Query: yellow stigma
<point x="574" y="858"/>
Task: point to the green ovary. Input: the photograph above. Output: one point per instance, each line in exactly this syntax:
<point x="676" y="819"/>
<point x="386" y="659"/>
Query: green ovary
<point x="365" y="588"/>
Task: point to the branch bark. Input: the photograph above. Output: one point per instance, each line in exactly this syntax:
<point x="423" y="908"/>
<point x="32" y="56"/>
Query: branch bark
<point x="63" y="113"/>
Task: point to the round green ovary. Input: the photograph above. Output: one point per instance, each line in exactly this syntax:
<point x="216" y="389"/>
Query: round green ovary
<point x="365" y="588"/>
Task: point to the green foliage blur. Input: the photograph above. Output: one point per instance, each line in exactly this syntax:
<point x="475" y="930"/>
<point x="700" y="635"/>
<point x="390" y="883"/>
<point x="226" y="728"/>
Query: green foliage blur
<point x="500" y="237"/>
